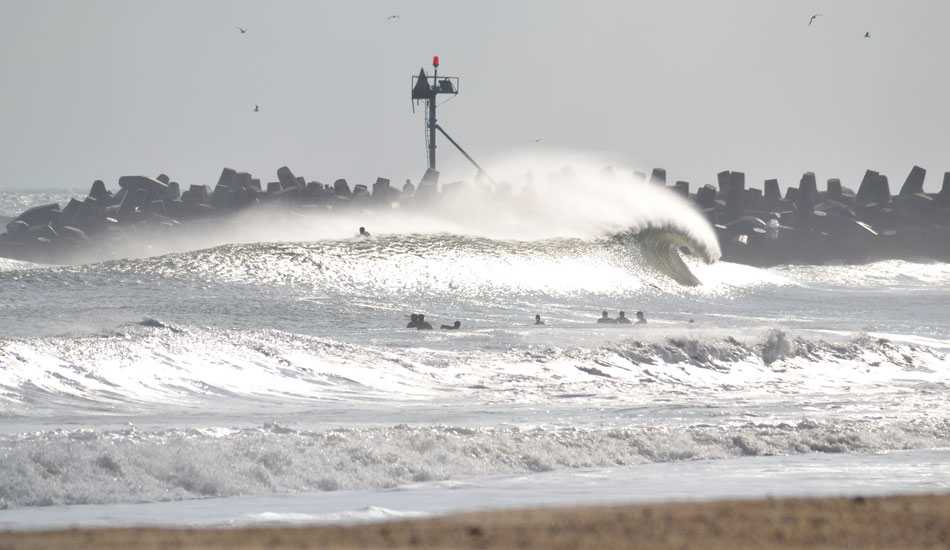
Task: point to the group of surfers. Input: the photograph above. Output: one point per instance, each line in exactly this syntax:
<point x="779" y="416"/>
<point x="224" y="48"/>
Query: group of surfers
<point x="418" y="321"/>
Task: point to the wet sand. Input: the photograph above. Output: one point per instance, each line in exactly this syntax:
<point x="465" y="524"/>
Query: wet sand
<point x="890" y="522"/>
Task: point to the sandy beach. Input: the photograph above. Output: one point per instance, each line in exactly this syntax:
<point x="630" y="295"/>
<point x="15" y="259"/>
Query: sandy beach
<point x="890" y="522"/>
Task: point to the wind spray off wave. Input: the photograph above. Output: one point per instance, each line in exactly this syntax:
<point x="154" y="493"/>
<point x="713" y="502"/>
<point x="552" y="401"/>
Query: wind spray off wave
<point x="582" y="199"/>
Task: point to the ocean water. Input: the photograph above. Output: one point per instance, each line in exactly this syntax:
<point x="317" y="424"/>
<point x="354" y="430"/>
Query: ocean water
<point x="262" y="373"/>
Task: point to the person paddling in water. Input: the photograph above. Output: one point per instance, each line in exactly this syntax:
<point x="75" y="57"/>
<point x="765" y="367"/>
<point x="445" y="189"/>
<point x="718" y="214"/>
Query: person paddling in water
<point x="364" y="232"/>
<point x="537" y="319"/>
<point x="641" y="319"/>
<point x="622" y="319"/>
<point x="454" y="326"/>
<point x="422" y="324"/>
<point x="605" y="320"/>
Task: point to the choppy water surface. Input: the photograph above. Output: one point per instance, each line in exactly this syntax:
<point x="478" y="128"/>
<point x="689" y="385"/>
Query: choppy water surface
<point x="282" y="367"/>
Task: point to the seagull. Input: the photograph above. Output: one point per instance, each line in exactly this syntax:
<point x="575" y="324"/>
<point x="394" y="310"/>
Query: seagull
<point x="257" y="109"/>
<point x="243" y="31"/>
<point x="813" y="18"/>
<point x="867" y="34"/>
<point x="537" y="140"/>
<point x="392" y="17"/>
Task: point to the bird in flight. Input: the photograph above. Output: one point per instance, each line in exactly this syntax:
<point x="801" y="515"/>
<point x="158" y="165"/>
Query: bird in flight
<point x="867" y="35"/>
<point x="537" y="140"/>
<point x="392" y="17"/>
<point x="243" y="30"/>
<point x="813" y="18"/>
<point x="257" y="108"/>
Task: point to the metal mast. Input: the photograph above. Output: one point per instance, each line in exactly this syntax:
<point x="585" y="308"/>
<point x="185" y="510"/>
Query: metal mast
<point x="428" y="89"/>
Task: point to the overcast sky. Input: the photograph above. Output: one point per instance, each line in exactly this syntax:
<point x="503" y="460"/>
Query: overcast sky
<point x="96" y="89"/>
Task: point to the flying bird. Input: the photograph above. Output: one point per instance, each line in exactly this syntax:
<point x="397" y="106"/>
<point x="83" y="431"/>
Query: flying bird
<point x="867" y="35"/>
<point x="537" y="140"/>
<point x="243" y="31"/>
<point x="813" y="18"/>
<point x="257" y="109"/>
<point x="392" y="17"/>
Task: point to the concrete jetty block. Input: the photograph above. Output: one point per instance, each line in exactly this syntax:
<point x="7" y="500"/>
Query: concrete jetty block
<point x="71" y="211"/>
<point x="915" y="181"/>
<point x="384" y="194"/>
<point x="17" y="226"/>
<point x="287" y="178"/>
<point x="89" y="211"/>
<point x="200" y="194"/>
<point x="917" y="209"/>
<point x="152" y="186"/>
<point x="865" y="190"/>
<point x="73" y="233"/>
<point x="98" y="191"/>
<point x="428" y="186"/>
<point x="174" y="208"/>
<point x="752" y="200"/>
<point x="242" y="180"/>
<point x="639" y="177"/>
<point x="944" y="195"/>
<point x="221" y="197"/>
<point x="722" y="178"/>
<point x="360" y="191"/>
<point x="682" y="187"/>
<point x="734" y="206"/>
<point x="835" y="208"/>
<point x="173" y="192"/>
<point x="807" y="194"/>
<point x="408" y="190"/>
<point x="771" y="191"/>
<point x="833" y="190"/>
<point x="157" y="207"/>
<point x="341" y="188"/>
<point x="706" y="196"/>
<point x="658" y="176"/>
<point x="881" y="190"/>
<point x="381" y="188"/>
<point x="41" y="215"/>
<point x="134" y="200"/>
<point x="227" y="177"/>
<point x="163" y="178"/>
<point x="43" y="232"/>
<point x="274" y="187"/>
<point x="791" y="195"/>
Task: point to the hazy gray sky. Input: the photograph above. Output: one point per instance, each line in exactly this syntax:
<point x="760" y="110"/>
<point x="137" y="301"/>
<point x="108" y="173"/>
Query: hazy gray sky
<point x="96" y="89"/>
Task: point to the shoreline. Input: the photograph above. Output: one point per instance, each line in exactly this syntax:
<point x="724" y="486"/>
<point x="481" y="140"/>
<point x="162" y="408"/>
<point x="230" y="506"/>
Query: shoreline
<point x="920" y="521"/>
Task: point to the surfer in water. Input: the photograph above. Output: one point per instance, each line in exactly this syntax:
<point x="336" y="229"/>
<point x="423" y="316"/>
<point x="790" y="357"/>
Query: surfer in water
<point x="537" y="319"/>
<point x="422" y="324"/>
<point x="414" y="321"/>
<point x="605" y="320"/>
<point x="622" y="319"/>
<point x="455" y="326"/>
<point x="642" y="320"/>
<point x="364" y="232"/>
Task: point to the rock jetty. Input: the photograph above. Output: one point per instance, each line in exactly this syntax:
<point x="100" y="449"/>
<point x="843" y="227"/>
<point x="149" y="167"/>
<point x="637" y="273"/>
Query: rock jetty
<point x="809" y="226"/>
<point x="760" y="227"/>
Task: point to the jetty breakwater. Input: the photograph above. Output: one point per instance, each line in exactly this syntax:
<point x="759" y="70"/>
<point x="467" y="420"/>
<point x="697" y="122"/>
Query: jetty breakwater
<point x="761" y="227"/>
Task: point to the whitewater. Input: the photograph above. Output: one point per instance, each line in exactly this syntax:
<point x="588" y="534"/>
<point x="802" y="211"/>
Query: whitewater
<point x="262" y="372"/>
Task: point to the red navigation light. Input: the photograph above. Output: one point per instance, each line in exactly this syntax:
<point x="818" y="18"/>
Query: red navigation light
<point x="435" y="61"/>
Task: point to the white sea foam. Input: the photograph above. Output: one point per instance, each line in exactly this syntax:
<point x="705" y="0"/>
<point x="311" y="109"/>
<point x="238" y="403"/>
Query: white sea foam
<point x="275" y="368"/>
